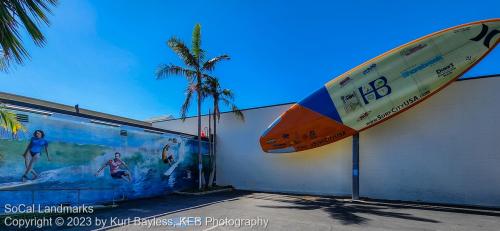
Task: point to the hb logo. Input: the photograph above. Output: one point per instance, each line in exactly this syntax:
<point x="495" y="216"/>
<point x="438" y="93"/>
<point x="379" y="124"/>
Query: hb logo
<point x="377" y="88"/>
<point x="484" y="32"/>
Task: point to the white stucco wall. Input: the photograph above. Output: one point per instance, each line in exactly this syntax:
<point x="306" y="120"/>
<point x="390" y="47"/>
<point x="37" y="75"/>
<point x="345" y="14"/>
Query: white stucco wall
<point x="242" y="163"/>
<point x="445" y="150"/>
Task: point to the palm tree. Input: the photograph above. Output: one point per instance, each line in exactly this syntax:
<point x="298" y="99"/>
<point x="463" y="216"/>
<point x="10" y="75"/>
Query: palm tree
<point x="211" y="88"/>
<point x="196" y="69"/>
<point x="9" y="122"/>
<point x="13" y="13"/>
<point x="28" y="13"/>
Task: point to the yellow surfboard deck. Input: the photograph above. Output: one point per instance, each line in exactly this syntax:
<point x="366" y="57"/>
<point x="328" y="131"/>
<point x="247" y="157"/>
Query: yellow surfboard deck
<point x="381" y="87"/>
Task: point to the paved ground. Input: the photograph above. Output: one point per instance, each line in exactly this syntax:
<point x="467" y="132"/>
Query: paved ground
<point x="291" y="212"/>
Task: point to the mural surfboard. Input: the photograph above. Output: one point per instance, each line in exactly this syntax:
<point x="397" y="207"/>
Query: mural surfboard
<point x="10" y="185"/>
<point x="381" y="88"/>
<point x="171" y="169"/>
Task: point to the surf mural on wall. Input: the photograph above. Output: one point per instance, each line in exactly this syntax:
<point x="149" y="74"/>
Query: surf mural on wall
<point x="381" y="88"/>
<point x="90" y="162"/>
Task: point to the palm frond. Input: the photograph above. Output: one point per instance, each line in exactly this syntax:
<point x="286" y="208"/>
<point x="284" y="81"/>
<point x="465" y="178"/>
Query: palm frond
<point x="212" y="82"/>
<point x="9" y="122"/>
<point x="208" y="85"/>
<point x="4" y="62"/>
<point x="10" y="38"/>
<point x="180" y="48"/>
<point x="198" y="53"/>
<point x="234" y="109"/>
<point x="187" y="101"/>
<point x="29" y="14"/>
<point x="205" y="91"/>
<point x="38" y="8"/>
<point x="210" y="64"/>
<point x="32" y="28"/>
<point x="238" y="113"/>
<point x="167" y="70"/>
<point x="227" y="93"/>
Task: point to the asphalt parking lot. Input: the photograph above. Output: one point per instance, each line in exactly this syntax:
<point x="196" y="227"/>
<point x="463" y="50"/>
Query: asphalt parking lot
<point x="241" y="210"/>
<point x="293" y="212"/>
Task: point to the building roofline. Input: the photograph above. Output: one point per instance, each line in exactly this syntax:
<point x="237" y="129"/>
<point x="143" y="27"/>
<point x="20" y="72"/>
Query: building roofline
<point x="479" y="77"/>
<point x="29" y="102"/>
<point x="281" y="104"/>
<point x="246" y="109"/>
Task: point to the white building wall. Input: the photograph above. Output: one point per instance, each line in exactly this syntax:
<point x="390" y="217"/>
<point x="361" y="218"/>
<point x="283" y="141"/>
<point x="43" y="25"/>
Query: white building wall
<point x="241" y="162"/>
<point x="445" y="150"/>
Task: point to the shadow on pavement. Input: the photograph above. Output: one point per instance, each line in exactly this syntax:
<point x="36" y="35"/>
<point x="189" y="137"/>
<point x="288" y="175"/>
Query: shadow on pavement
<point x="348" y="212"/>
<point x="345" y="212"/>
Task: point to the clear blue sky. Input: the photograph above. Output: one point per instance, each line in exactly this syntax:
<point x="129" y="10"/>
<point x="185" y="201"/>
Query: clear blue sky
<point x="103" y="54"/>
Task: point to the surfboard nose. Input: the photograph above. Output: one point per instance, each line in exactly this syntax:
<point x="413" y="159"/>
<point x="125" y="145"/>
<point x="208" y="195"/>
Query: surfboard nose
<point x="300" y="128"/>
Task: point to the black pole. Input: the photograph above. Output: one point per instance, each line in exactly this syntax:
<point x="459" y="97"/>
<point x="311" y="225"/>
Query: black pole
<point x="355" y="167"/>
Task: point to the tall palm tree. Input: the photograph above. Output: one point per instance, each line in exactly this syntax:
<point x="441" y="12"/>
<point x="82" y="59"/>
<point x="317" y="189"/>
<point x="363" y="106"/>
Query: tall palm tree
<point x="9" y="122"/>
<point x="196" y="69"/>
<point x="29" y="14"/>
<point x="211" y="88"/>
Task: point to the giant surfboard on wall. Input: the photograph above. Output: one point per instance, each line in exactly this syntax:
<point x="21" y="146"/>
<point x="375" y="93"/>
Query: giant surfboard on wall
<point x="381" y="88"/>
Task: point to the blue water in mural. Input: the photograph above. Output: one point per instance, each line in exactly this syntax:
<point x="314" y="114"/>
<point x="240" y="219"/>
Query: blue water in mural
<point x="78" y="149"/>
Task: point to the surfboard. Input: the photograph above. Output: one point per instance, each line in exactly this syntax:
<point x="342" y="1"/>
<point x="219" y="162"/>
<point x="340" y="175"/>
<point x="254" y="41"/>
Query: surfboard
<point x="171" y="169"/>
<point x="381" y="88"/>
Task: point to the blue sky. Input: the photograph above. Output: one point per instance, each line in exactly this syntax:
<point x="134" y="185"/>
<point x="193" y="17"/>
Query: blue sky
<point x="103" y="54"/>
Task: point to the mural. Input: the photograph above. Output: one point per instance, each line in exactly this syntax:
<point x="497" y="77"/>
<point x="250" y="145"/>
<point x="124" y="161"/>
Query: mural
<point x="67" y="159"/>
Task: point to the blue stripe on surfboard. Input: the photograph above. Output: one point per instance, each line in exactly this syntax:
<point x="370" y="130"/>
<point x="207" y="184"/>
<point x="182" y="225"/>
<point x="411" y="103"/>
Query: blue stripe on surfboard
<point x="321" y="102"/>
<point x="276" y="121"/>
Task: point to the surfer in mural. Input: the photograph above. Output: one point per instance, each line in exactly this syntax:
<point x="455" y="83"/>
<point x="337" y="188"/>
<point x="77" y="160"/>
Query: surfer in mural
<point x="167" y="155"/>
<point x="115" y="170"/>
<point x="33" y="151"/>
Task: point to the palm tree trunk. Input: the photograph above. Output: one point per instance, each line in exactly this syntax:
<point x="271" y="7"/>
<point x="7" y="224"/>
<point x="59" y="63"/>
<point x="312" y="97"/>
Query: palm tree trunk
<point x="212" y="173"/>
<point x="200" y="165"/>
